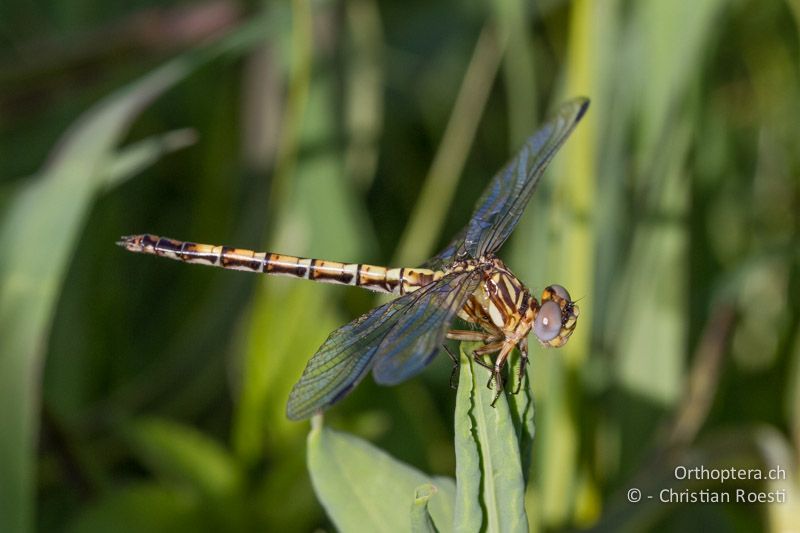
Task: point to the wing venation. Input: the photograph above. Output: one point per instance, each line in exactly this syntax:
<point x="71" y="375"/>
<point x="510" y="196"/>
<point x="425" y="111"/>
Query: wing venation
<point x="350" y="351"/>
<point x="501" y="205"/>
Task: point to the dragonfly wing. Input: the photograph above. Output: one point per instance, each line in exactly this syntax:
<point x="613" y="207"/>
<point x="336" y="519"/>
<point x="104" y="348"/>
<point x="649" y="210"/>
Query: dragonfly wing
<point x="448" y="255"/>
<point x="349" y="352"/>
<point x="501" y="205"/>
<point x="419" y="332"/>
<point x="342" y="360"/>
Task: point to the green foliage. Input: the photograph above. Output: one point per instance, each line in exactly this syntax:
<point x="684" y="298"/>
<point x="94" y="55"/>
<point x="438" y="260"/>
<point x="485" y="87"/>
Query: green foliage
<point x="50" y="210"/>
<point x="142" y="507"/>
<point x="362" y="488"/>
<point x="490" y="485"/>
<point x="149" y="395"/>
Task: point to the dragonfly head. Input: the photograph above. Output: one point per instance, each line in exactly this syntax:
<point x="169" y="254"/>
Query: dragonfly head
<point x="556" y="317"/>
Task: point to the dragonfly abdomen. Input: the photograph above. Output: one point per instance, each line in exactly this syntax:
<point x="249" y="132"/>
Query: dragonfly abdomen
<point x="375" y="278"/>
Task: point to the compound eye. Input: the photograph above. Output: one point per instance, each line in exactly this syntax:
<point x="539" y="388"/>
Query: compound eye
<point x="561" y="292"/>
<point x="548" y="321"/>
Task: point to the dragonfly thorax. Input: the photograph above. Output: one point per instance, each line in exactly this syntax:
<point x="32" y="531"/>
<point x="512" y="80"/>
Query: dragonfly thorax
<point x="503" y="306"/>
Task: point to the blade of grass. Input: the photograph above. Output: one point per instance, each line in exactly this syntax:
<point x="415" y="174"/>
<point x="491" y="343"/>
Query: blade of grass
<point x="48" y="210"/>
<point x="185" y="457"/>
<point x="51" y="209"/>
<point x="490" y="488"/>
<point x="434" y="199"/>
<point x="318" y="215"/>
<point x="259" y="338"/>
<point x="300" y="59"/>
<point x="182" y="454"/>
<point x="571" y="251"/>
<point x="651" y="354"/>
<point x="513" y="22"/>
<point x="142" y="507"/>
<point x="776" y="451"/>
<point x="365" y="99"/>
<point x="703" y="377"/>
<point x="793" y="395"/>
<point x="132" y="159"/>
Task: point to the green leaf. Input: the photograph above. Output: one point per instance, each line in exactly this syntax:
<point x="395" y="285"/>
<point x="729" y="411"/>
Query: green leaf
<point x="421" y="521"/>
<point x="490" y="489"/>
<point x="445" y="503"/>
<point x="522" y="410"/>
<point x="143" y="507"/>
<point x="180" y="453"/>
<point x="137" y="156"/>
<point x="364" y="489"/>
<point x="50" y="209"/>
<point x="38" y="232"/>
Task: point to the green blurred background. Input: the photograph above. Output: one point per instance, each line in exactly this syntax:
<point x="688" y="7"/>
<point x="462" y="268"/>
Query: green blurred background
<point x="141" y="394"/>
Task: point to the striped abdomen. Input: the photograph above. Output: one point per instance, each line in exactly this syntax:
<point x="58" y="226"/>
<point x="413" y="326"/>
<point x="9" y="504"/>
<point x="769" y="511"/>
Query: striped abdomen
<point x="375" y="278"/>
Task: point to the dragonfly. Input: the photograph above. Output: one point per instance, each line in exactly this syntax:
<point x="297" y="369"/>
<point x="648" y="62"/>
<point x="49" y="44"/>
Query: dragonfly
<point x="465" y="280"/>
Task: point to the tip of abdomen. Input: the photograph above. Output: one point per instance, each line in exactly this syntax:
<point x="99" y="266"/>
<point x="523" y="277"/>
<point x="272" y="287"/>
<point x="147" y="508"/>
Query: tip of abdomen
<point x="132" y="243"/>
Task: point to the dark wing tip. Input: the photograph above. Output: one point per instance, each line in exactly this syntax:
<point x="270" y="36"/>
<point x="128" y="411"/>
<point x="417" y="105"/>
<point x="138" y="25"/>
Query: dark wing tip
<point x="584" y="102"/>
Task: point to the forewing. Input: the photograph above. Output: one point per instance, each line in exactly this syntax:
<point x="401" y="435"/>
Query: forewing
<point x="501" y="205"/>
<point x="343" y="359"/>
<point x="419" y="331"/>
<point x="349" y="352"/>
<point x="448" y="254"/>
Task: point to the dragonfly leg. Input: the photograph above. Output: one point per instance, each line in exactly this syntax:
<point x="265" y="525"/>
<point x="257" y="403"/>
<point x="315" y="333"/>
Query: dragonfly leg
<point x="523" y="363"/>
<point x="499" y="390"/>
<point x="484" y="350"/>
<point x="493" y="346"/>
<point x="490" y="341"/>
<point x="477" y="358"/>
<point x="451" y="355"/>
<point x="454" y="359"/>
<point x="469" y="335"/>
<point x="498" y="367"/>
